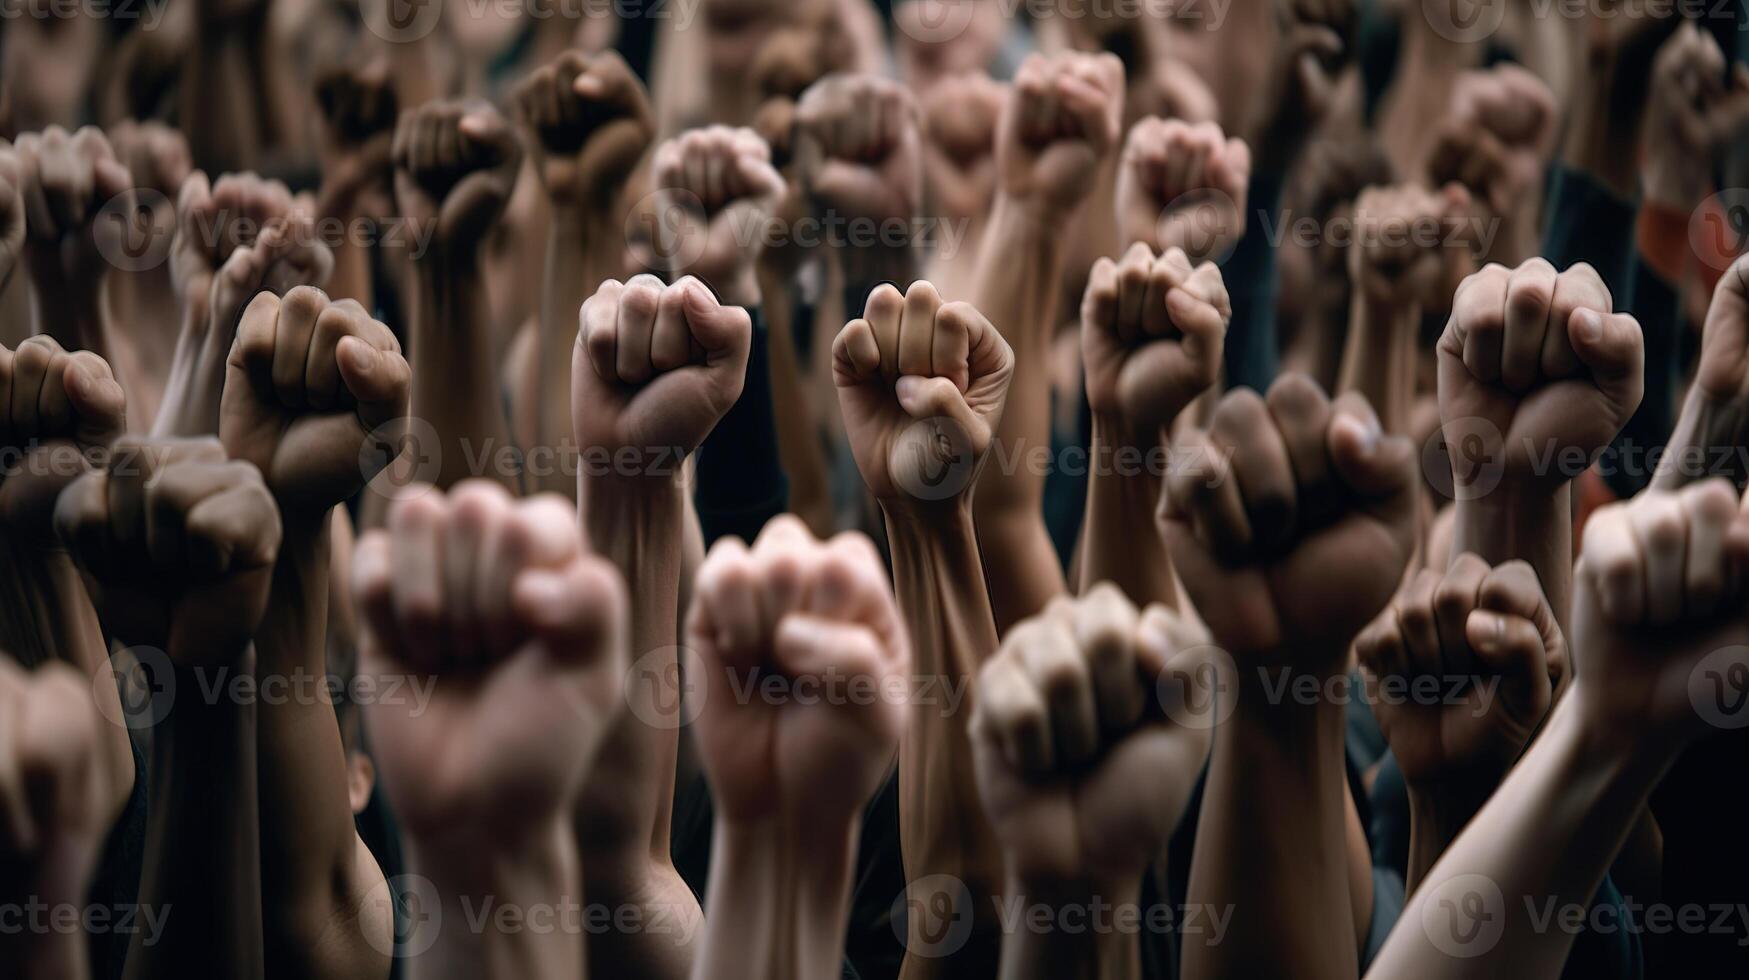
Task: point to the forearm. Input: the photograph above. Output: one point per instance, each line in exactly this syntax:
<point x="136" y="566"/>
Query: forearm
<point x="1017" y="289"/>
<point x="622" y="818"/>
<point x="1061" y="952"/>
<point x="197" y="380"/>
<point x="455" y="375"/>
<point x="1707" y="430"/>
<point x="310" y="874"/>
<point x="1535" y="526"/>
<point x="1286" y="880"/>
<point x="798" y="435"/>
<point x="779" y="899"/>
<point x="1378" y="358"/>
<point x="1121" y="543"/>
<point x="202" y="871"/>
<point x="1544" y="841"/>
<point x="939" y="581"/>
<point x="512" y="914"/>
<point x="1436" y="817"/>
<point x="579" y="258"/>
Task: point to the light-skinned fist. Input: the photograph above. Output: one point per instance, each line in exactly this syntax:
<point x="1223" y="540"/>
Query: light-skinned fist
<point x="1061" y="124"/>
<point x="1183" y="185"/>
<point x="858" y="147"/>
<point x="717" y="192"/>
<point x="524" y="633"/>
<point x="455" y="169"/>
<point x="59" y="412"/>
<point x="798" y="617"/>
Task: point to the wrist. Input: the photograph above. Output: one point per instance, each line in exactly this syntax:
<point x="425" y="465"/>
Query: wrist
<point x="919" y="523"/>
<point x="439" y="266"/>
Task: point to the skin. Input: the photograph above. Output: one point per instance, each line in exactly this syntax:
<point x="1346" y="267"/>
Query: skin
<point x="58" y="794"/>
<point x="1658" y="592"/>
<point x="1151" y="336"/>
<point x="1083" y="776"/>
<point x="1694" y="108"/>
<point x="790" y="776"/>
<point x="316" y="397"/>
<point x="1290" y="530"/>
<point x="1530" y="363"/>
<point x="193" y="581"/>
<point x="590" y="123"/>
<point x="654" y="369"/>
<point x="1183" y="185"/>
<point x="1492" y="626"/>
<point x="455" y="168"/>
<point x="358" y="107"/>
<point x="1716" y="409"/>
<point x="1058" y="130"/>
<point x="921" y="386"/>
<point x="529" y="656"/>
<point x="1496" y="139"/>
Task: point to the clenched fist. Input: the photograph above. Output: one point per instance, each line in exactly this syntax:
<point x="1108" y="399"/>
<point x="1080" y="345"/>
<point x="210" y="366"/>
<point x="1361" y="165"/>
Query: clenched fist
<point x="591" y="121"/>
<point x="359" y="108"/>
<point x="655" y="368"/>
<point x="1290" y="522"/>
<point x="1183" y="186"/>
<point x="1152" y="331"/>
<point x="66" y="180"/>
<point x="1464" y="666"/>
<point x="959" y="146"/>
<point x="253" y="230"/>
<point x="315" y="396"/>
<point x="177" y="545"/>
<point x="1695" y="108"/>
<point x="820" y="618"/>
<point x="718" y="191"/>
<point x="1497" y="136"/>
<point x="524" y="632"/>
<point x="455" y="168"/>
<point x="60" y="793"/>
<point x="1083" y="774"/>
<point x="1533" y="367"/>
<point x="1660" y="640"/>
<point x="1061" y="124"/>
<point x="59" y="412"/>
<point x="921" y="384"/>
<point x="1407" y="242"/>
<point x="858" y="147"/>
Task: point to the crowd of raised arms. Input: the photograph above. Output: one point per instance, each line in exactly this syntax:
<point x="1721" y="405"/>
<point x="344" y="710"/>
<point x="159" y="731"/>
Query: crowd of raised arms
<point x="924" y="489"/>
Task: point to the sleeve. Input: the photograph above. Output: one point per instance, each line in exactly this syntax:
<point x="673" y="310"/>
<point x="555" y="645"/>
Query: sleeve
<point x="1250" y="274"/>
<point x="740" y="479"/>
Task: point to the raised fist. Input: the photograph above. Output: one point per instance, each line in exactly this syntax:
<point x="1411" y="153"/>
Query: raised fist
<point x="1183" y="186"/>
<point x="1061" y="123"/>
<point x="1533" y="366"/>
<point x="718" y="192"/>
<point x="1695" y="107"/>
<point x="1407" y="241"/>
<point x="315" y="396"/>
<point x="1290" y="522"/>
<point x="1497" y="136"/>
<point x="177" y="545"/>
<point x="455" y="168"/>
<point x="66" y="181"/>
<point x="59" y="412"/>
<point x="359" y="108"/>
<point x="253" y="229"/>
<point x="655" y="368"/>
<point x="1660" y="639"/>
<point x="591" y="123"/>
<point x="797" y="610"/>
<point x="858" y="148"/>
<point x="524" y="632"/>
<point x="1152" y="331"/>
<point x="959" y="145"/>
<point x="61" y="785"/>
<point x="934" y="43"/>
<point x="921" y="385"/>
<point x="1486" y="634"/>
<point x="1082" y="772"/>
<point x="1723" y="374"/>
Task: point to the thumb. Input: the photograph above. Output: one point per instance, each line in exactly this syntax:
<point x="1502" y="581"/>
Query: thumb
<point x="1512" y="648"/>
<point x="377" y="379"/>
<point x="99" y="405"/>
<point x="1373" y="464"/>
<point x="1612" y="349"/>
<point x="723" y="331"/>
<point x="928" y="398"/>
